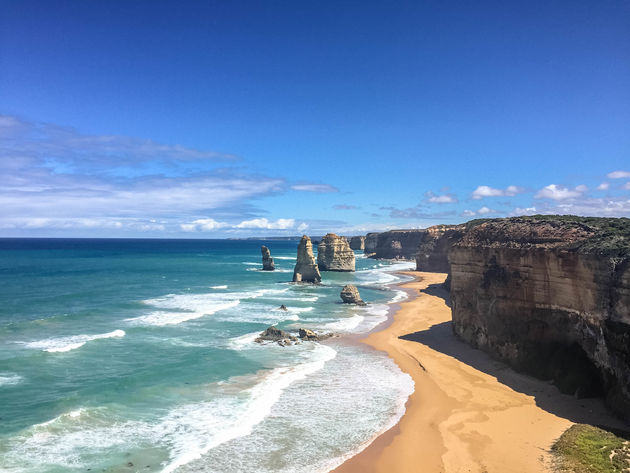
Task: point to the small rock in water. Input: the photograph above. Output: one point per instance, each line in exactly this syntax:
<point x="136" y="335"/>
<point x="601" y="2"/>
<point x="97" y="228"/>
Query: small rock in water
<point x="267" y="260"/>
<point x="273" y="334"/>
<point x="283" y="307"/>
<point x="350" y="295"/>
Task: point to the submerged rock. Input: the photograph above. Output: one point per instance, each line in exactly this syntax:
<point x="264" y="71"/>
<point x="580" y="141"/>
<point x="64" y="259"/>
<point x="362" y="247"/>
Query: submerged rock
<point x="334" y="254"/>
<point x="273" y="334"/>
<point x="267" y="260"/>
<point x="350" y="295"/>
<point x="283" y="307"/>
<point x="306" y="269"/>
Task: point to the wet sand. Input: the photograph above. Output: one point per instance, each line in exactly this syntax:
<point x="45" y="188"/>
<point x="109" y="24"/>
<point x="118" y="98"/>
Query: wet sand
<point x="469" y="413"/>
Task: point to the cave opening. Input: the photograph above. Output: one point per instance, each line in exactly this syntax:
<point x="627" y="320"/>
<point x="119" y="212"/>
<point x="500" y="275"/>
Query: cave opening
<point x="567" y="366"/>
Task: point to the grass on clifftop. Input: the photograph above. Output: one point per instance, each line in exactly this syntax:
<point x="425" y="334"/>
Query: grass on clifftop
<point x="588" y="449"/>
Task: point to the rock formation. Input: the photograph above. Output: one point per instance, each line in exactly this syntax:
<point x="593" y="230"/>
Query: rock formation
<point x="306" y="334"/>
<point x="397" y="244"/>
<point x="273" y="334"/>
<point x="334" y="254"/>
<point x="357" y="242"/>
<point x="350" y="295"/>
<point x="306" y="270"/>
<point x="369" y="243"/>
<point x="267" y="260"/>
<point x="551" y="296"/>
<point x="432" y="252"/>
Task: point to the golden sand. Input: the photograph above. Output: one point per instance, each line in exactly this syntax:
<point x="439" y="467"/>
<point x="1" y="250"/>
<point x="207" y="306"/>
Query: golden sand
<point x="469" y="413"/>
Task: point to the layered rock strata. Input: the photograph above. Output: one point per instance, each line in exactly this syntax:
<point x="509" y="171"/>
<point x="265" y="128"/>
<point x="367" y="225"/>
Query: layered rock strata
<point x="432" y="252"/>
<point x="350" y="295"/>
<point x="357" y="242"/>
<point x="551" y="296"/>
<point x="306" y="269"/>
<point x="334" y="254"/>
<point x="398" y="244"/>
<point x="267" y="260"/>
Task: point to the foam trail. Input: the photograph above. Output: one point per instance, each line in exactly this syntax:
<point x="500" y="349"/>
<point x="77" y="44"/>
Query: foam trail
<point x="224" y="286"/>
<point x="9" y="379"/>
<point x="203" y="418"/>
<point x="57" y="345"/>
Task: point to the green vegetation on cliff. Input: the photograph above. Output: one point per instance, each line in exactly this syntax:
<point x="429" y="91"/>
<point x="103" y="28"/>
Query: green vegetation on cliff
<point x="588" y="449"/>
<point x="606" y="236"/>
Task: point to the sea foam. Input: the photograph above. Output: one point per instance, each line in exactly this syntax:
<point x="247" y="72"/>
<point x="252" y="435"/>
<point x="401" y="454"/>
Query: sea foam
<point x="63" y="344"/>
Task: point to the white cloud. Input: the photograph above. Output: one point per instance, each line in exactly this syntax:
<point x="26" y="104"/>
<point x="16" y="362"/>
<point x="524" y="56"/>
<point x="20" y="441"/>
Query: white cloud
<point x="626" y="186"/>
<point x="487" y="191"/>
<point x="555" y="192"/>
<point x="440" y="199"/>
<point x="468" y="213"/>
<point x="280" y="224"/>
<point x="618" y="175"/>
<point x="486" y="210"/>
<point x="319" y="188"/>
<point x="524" y="211"/>
<point x="604" y="186"/>
<point x="203" y="224"/>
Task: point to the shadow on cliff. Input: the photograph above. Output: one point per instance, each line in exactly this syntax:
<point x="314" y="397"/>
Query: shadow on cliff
<point x="438" y="290"/>
<point x="440" y="337"/>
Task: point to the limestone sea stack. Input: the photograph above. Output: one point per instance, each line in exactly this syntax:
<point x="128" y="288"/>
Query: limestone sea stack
<point x="267" y="260"/>
<point x="306" y="269"/>
<point x="334" y="254"/>
<point x="350" y="295"/>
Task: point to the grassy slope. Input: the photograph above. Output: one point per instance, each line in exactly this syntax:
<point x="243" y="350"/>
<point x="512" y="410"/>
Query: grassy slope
<point x="588" y="449"/>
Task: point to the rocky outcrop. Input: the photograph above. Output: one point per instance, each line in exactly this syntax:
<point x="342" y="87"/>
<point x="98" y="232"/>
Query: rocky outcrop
<point x="432" y="252"/>
<point x="306" y="334"/>
<point x="350" y="295"/>
<point x="334" y="254"/>
<point x="370" y="243"/>
<point x="273" y="334"/>
<point x="306" y="269"/>
<point x="357" y="242"/>
<point x="398" y="244"/>
<point x="267" y="260"/>
<point x="551" y="296"/>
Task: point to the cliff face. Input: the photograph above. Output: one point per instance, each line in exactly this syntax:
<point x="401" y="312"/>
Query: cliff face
<point x="432" y="252"/>
<point x="334" y="254"/>
<point x="369" y="245"/>
<point x="551" y="296"/>
<point x="397" y="244"/>
<point x="306" y="269"/>
<point x="357" y="242"/>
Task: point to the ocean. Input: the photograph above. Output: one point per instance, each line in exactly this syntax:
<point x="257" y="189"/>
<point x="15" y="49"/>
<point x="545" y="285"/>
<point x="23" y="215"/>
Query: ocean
<point x="139" y="356"/>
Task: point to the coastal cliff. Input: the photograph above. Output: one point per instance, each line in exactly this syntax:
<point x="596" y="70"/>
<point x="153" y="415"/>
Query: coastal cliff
<point x="334" y="254"/>
<point x="432" y="252"/>
<point x="357" y="242"/>
<point x="394" y="244"/>
<point x="551" y="296"/>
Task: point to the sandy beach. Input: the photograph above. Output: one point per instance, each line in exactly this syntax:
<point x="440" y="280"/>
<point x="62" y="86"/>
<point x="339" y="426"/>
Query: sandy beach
<point x="469" y="413"/>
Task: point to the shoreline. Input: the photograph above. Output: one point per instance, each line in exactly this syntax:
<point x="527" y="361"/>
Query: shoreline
<point x="468" y="412"/>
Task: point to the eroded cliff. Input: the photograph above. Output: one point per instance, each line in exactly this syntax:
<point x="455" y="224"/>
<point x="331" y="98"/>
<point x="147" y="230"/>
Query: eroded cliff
<point x="551" y="296"/>
<point x="394" y="244"/>
<point x="334" y="254"/>
<point x="432" y="252"/>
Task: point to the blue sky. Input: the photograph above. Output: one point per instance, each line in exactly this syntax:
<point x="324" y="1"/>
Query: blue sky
<point x="213" y="119"/>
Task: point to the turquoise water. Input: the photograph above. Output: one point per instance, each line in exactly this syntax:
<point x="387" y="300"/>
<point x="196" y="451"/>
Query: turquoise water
<point x="139" y="355"/>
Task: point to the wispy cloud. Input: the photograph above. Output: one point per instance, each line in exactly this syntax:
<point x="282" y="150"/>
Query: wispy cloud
<point x="619" y="175"/>
<point x="487" y="191"/>
<point x="319" y="188"/>
<point x="432" y="198"/>
<point x="418" y="212"/>
<point x="344" y="207"/>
